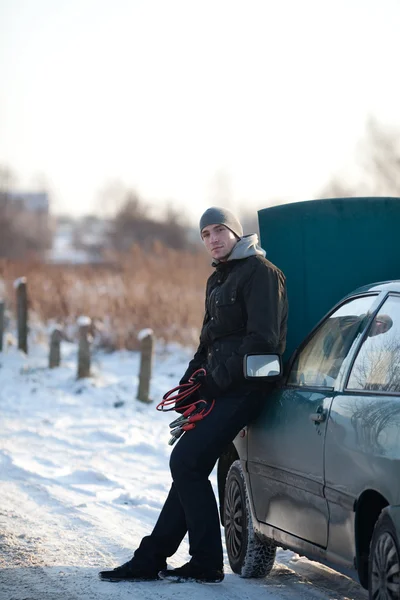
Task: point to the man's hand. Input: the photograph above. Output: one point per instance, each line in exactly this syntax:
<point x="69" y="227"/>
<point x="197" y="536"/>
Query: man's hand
<point x="181" y="404"/>
<point x="209" y="390"/>
<point x="184" y="379"/>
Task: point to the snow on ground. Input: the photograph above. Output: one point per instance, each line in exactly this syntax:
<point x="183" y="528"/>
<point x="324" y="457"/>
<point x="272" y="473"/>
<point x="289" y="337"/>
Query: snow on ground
<point x="83" y="475"/>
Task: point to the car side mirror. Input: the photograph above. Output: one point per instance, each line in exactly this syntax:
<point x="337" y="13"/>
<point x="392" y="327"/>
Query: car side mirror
<point x="262" y="366"/>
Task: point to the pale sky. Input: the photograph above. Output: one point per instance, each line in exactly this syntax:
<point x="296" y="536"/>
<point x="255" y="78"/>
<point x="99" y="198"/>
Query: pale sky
<point x="164" y="95"/>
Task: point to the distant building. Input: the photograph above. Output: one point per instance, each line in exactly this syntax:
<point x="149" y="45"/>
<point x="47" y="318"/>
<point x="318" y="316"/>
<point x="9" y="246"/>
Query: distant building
<point x="78" y="241"/>
<point x="36" y="202"/>
<point x="25" y="224"/>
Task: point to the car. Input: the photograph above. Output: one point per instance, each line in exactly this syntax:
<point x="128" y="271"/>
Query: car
<point x="318" y="471"/>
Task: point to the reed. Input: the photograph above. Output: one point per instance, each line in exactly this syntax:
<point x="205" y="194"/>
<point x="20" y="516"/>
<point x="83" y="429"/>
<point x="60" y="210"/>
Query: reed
<point x="163" y="290"/>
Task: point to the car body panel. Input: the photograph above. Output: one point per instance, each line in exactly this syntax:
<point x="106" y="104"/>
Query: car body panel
<point x="363" y="435"/>
<point x="381" y="286"/>
<point x="288" y="541"/>
<point x="361" y="453"/>
<point x="286" y="466"/>
<point x="394" y="513"/>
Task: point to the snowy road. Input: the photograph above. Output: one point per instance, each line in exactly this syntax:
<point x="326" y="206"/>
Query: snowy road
<point x="83" y="475"/>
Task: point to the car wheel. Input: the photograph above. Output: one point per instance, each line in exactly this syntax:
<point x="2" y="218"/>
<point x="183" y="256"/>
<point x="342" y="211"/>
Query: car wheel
<point x="384" y="561"/>
<point x="248" y="556"/>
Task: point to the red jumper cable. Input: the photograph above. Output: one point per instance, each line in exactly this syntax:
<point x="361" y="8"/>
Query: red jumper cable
<point x="192" y="412"/>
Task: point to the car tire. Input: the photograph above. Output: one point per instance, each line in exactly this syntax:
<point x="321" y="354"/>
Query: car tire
<point x="248" y="556"/>
<point x="384" y="561"/>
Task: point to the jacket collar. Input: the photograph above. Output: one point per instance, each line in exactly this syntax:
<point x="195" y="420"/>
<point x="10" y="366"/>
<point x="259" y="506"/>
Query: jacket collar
<point x="245" y="247"/>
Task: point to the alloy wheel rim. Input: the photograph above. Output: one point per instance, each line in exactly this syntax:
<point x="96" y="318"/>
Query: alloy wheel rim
<point x="234" y="520"/>
<point x="385" y="576"/>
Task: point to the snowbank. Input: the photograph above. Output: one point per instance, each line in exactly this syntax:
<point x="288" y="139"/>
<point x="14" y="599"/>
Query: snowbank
<point x="83" y="475"/>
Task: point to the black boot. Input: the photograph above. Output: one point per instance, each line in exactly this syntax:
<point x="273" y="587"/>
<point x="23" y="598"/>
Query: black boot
<point x="129" y="572"/>
<point x="193" y="572"/>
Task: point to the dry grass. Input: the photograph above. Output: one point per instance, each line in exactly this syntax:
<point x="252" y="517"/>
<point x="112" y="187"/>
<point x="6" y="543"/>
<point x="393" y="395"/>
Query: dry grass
<point x="163" y="290"/>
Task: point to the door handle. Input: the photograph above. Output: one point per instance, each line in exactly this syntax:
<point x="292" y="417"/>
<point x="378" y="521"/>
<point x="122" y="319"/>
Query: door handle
<point x="319" y="416"/>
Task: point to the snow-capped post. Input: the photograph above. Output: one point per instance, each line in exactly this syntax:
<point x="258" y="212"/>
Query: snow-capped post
<point x="146" y="339"/>
<point x="55" y="341"/>
<point x="84" y="347"/>
<point x="22" y="313"/>
<point x="1" y="324"/>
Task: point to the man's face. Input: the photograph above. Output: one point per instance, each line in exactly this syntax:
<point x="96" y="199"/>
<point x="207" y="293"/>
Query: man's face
<point x="219" y="241"/>
<point x="381" y="324"/>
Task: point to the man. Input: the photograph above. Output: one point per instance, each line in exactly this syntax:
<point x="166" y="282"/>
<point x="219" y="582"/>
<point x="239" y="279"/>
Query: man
<point x="246" y="311"/>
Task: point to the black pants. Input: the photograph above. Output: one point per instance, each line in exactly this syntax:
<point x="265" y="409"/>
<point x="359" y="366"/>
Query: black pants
<point x="191" y="505"/>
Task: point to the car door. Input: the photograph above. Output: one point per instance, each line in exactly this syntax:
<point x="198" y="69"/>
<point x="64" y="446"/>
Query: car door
<point x="286" y="444"/>
<point x="363" y="436"/>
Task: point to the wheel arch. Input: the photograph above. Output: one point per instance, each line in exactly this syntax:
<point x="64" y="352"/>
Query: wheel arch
<point x="368" y="508"/>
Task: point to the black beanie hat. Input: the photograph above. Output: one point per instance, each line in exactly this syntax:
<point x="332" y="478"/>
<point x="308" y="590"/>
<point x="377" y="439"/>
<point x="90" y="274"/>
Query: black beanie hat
<point x="221" y="216"/>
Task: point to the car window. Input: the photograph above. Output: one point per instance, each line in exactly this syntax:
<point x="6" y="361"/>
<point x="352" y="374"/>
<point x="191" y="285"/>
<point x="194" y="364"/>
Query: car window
<point x="377" y="365"/>
<point x="318" y="363"/>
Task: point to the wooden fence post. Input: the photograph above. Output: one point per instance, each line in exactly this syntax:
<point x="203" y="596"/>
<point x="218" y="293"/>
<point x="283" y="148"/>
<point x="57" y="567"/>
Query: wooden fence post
<point x="1" y="324"/>
<point x="84" y="347"/>
<point x="146" y="364"/>
<point x="22" y="313"/>
<point x="55" y="354"/>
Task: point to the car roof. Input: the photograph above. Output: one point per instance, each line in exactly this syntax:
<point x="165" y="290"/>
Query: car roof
<point x="381" y="286"/>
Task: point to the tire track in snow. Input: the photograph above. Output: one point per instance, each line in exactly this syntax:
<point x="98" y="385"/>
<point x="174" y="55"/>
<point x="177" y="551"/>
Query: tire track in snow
<point x="27" y="578"/>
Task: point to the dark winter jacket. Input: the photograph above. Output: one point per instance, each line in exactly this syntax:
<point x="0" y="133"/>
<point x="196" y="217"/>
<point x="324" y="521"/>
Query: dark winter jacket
<point x="246" y="311"/>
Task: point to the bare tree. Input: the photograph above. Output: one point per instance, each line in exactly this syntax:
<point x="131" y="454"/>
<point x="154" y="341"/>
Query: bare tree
<point x="382" y="159"/>
<point x="249" y="221"/>
<point x="7" y="210"/>
<point x="133" y="224"/>
<point x="378" y="164"/>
